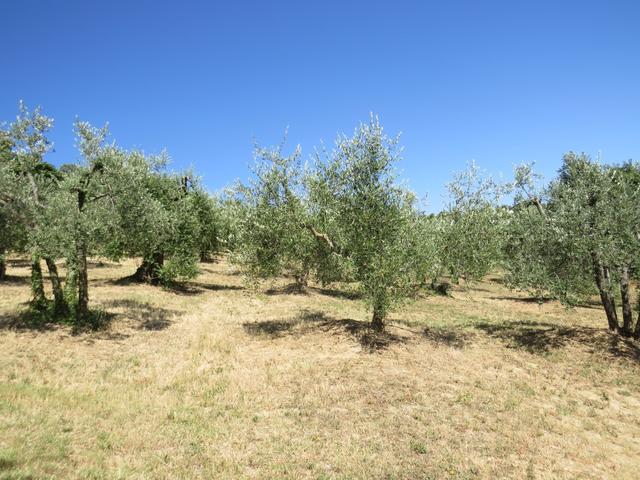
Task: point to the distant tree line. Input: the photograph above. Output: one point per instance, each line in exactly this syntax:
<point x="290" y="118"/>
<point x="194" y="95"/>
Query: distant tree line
<point x="344" y="216"/>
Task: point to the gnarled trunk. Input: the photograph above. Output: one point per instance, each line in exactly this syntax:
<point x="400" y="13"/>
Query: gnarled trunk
<point x="606" y="298"/>
<point x="149" y="269"/>
<point x="60" y="304"/>
<point x="636" y="333"/>
<point x="377" y="320"/>
<point x="82" y="305"/>
<point x="3" y="263"/>
<point x="302" y="280"/>
<point x="625" y="295"/>
<point x="38" y="298"/>
<point x="71" y="283"/>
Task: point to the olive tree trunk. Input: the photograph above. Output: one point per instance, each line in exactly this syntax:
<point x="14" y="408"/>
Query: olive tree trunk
<point x="38" y="298"/>
<point x="377" y="320"/>
<point x="636" y="332"/>
<point x="625" y="296"/>
<point x="3" y="264"/>
<point x="302" y="280"/>
<point x="149" y="269"/>
<point x="60" y="304"/>
<point x="608" y="302"/>
<point x="82" y="278"/>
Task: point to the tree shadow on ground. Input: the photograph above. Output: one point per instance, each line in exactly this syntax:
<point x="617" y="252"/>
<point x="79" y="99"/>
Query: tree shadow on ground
<point x="182" y="288"/>
<point x="295" y="289"/>
<point x="197" y="288"/>
<point x="312" y="321"/>
<point x="534" y="300"/>
<point x="178" y="288"/>
<point x="451" y="337"/>
<point x="137" y="315"/>
<point x="539" y="338"/>
<point x="330" y="292"/>
<point x="28" y="319"/>
<point x="14" y="280"/>
<point x="289" y="289"/>
<point x="543" y="337"/>
<point x="119" y="282"/>
<point x="144" y="315"/>
<point x="18" y="263"/>
<point x="217" y="287"/>
<point x="102" y="264"/>
<point x="592" y="304"/>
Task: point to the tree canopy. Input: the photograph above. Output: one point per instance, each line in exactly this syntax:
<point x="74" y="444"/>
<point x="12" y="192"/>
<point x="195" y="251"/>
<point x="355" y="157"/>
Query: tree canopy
<point x="342" y="216"/>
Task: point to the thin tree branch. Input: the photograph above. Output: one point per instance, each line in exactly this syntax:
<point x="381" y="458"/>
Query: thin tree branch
<point x="34" y="189"/>
<point x="323" y="237"/>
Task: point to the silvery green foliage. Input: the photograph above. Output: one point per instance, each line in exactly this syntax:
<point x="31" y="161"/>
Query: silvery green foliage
<point x="366" y="215"/>
<point x="142" y="210"/>
<point x="624" y="223"/>
<point x="548" y="249"/>
<point x="344" y="219"/>
<point x="166" y="225"/>
<point x="13" y="234"/>
<point x="29" y="136"/>
<point x="140" y="220"/>
<point x="103" y="182"/>
<point x="584" y="222"/>
<point x="116" y="207"/>
<point x="471" y="227"/>
<point x="231" y="212"/>
<point x="272" y="238"/>
<point x="427" y="253"/>
<point x="27" y="182"/>
<point x="207" y="213"/>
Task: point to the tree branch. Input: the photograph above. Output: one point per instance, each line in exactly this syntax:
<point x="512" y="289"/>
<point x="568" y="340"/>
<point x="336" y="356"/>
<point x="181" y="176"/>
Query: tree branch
<point x="322" y="237"/>
<point x="98" y="197"/>
<point x="34" y="189"/>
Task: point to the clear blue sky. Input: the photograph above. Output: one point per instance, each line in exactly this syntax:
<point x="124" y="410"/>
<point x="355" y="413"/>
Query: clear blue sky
<point x="498" y="82"/>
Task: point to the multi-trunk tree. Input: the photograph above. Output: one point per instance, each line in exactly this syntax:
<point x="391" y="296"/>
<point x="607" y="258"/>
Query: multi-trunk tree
<point x="578" y="236"/>
<point x="124" y="205"/>
<point x="113" y="203"/>
<point x="28" y="190"/>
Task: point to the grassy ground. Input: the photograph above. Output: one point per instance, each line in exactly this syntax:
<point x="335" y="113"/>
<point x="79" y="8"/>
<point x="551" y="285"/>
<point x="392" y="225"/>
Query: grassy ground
<point x="214" y="381"/>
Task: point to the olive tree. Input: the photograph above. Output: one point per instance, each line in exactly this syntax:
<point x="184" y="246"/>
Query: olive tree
<point x="27" y="187"/>
<point x="428" y="253"/>
<point x="10" y="225"/>
<point x="470" y="236"/>
<point x="231" y="211"/>
<point x="577" y="236"/>
<point x="207" y="214"/>
<point x="164" y="229"/>
<point x="108" y="181"/>
<point x="346" y="218"/>
<point x="273" y="240"/>
<point x="364" y="217"/>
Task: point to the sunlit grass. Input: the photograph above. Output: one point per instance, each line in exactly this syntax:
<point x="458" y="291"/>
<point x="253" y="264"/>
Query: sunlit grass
<point x="214" y="381"/>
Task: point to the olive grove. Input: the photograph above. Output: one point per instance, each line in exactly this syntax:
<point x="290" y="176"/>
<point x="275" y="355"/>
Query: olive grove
<point x="340" y="216"/>
<point x="113" y="203"/>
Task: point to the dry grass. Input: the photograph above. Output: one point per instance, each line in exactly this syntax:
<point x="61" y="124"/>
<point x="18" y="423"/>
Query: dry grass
<point x="213" y="381"/>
